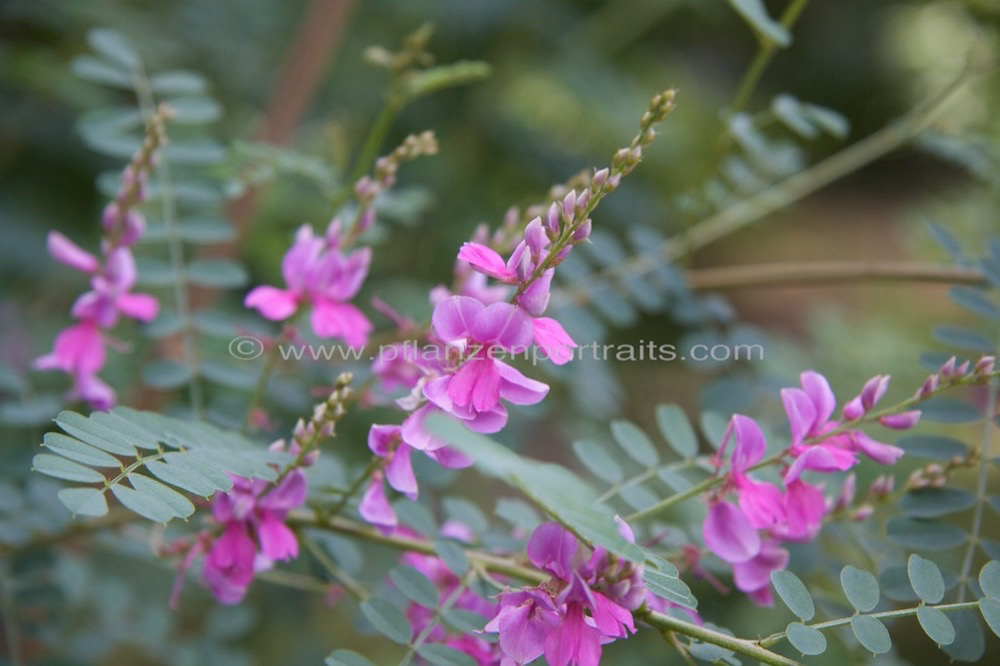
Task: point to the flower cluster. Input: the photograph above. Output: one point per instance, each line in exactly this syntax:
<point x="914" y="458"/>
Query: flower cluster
<point x="748" y="534"/>
<point x="79" y="350"/>
<point x="587" y="602"/>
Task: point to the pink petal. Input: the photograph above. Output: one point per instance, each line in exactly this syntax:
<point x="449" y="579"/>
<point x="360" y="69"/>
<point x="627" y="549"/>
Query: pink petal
<point x="449" y="457"/>
<point x="399" y="472"/>
<point x="873" y="390"/>
<point x="453" y="317"/>
<point x="518" y="389"/>
<point x="801" y="413"/>
<point x="487" y="261"/>
<point x="819" y="392"/>
<point x="554" y="548"/>
<point x="340" y="320"/>
<point x="300" y="260"/>
<point x="729" y="534"/>
<point x="277" y="541"/>
<point x="477" y="383"/>
<point x="272" y="303"/>
<point x="885" y="454"/>
<point x="553" y="340"/>
<point x="95" y="392"/>
<point x="761" y="503"/>
<point x="381" y="438"/>
<point x="535" y="298"/>
<point x="750" y="446"/>
<point x="903" y="421"/>
<point x="288" y="494"/>
<point x="120" y="270"/>
<point x="756" y="573"/>
<point x="805" y="507"/>
<point x="138" y="306"/>
<point x="77" y="349"/>
<point x="821" y="458"/>
<point x="69" y="253"/>
<point x="375" y="507"/>
<point x="505" y="325"/>
<point x="415" y="433"/>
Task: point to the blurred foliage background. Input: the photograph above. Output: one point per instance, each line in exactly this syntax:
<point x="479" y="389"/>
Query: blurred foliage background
<point x="569" y="80"/>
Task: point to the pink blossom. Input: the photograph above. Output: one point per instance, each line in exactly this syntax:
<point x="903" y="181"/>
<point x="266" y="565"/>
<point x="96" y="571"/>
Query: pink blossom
<point x="553" y="340"/>
<point x="754" y="576"/>
<point x="69" y="253"/>
<point x="729" y="534"/>
<point x="318" y="274"/>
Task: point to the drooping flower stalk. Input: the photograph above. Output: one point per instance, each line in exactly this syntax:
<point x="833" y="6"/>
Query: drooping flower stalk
<point x="80" y="350"/>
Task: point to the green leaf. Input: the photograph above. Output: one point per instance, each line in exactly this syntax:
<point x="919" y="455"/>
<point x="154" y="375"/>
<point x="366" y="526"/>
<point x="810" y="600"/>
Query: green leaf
<point x="871" y="633"/>
<point x="154" y="272"/>
<point x="164" y="326"/>
<point x="61" y="468"/>
<point x="96" y="431"/>
<point x="791" y="112"/>
<point x="561" y="493"/>
<point x="207" y="231"/>
<point x="990" y="608"/>
<point x="935" y="502"/>
<point x="76" y="450"/>
<point x="970" y="643"/>
<point x="453" y="555"/>
<point x="185" y="475"/>
<point x="465" y="621"/>
<point x="194" y="110"/>
<point x="518" y="513"/>
<point x="98" y="71"/>
<point x="933" y="447"/>
<point x="861" y="588"/>
<point x="34" y="411"/>
<point x="84" y="501"/>
<point x="832" y="122"/>
<point x="387" y="619"/>
<point x="194" y="152"/>
<point x="598" y="461"/>
<point x="179" y="505"/>
<point x="755" y="13"/>
<point x="669" y="587"/>
<point x="415" y="586"/>
<point x="177" y="83"/>
<point x="923" y="534"/>
<point x="794" y="594"/>
<point x="936" y="625"/>
<point x="963" y="338"/>
<point x="635" y="443"/>
<point x="806" y="640"/>
<point x="976" y="301"/>
<point x="167" y="374"/>
<point x="146" y="505"/>
<point x="458" y="73"/>
<point x="114" y="46"/>
<point x="989" y="579"/>
<point x="346" y="658"/>
<point x="217" y="273"/>
<point x="638" y="497"/>
<point x="676" y="429"/>
<point x="713" y="426"/>
<point x="467" y="513"/>
<point x="949" y="410"/>
<point x="442" y="655"/>
<point x="926" y="579"/>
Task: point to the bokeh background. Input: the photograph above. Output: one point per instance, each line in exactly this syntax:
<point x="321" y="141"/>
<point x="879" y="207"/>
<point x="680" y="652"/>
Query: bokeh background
<point x="569" y="80"/>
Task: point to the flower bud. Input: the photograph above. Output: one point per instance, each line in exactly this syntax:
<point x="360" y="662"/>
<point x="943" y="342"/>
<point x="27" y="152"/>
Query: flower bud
<point x="600" y="178"/>
<point x="985" y="365"/>
<point x="552" y="221"/>
<point x="569" y="206"/>
<point x="582" y="232"/>
<point x="903" y="421"/>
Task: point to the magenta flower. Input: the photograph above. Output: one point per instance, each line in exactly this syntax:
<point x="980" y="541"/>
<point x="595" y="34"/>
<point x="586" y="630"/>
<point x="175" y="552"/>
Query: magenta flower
<point x="754" y="576"/>
<point x="553" y="340"/>
<point x="67" y="252"/>
<point x="488" y="262"/>
<point x="254" y="535"/>
<point x="473" y="392"/>
<point x="809" y="410"/>
<point x="79" y="352"/>
<point x="760" y="502"/>
<point x="111" y="293"/>
<point x="319" y="275"/>
<point x="729" y="534"/>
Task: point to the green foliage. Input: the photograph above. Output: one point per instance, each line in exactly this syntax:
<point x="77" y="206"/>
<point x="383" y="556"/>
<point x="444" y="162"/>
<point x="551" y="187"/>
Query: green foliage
<point x="871" y="633"/>
<point x="861" y="588"/>
<point x="147" y="461"/>
<point x="926" y="579"/>
<point x="805" y="639"/>
<point x="387" y="619"/>
<point x="794" y="594"/>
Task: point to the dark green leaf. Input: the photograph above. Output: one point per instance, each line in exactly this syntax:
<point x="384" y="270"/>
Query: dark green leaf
<point x="676" y="429"/>
<point x="806" y="640"/>
<point x="871" y="633"/>
<point x="166" y="374"/>
<point x="387" y="619"/>
<point x="990" y="608"/>
<point x="598" y="461"/>
<point x="76" y="450"/>
<point x="989" y="579"/>
<point x="935" y="502"/>
<point x="415" y="586"/>
<point x="60" y="468"/>
<point x="794" y="594"/>
<point x="936" y="625"/>
<point x="933" y="447"/>
<point x="442" y="655"/>
<point x="84" y="501"/>
<point x="755" y="13"/>
<point x="926" y="579"/>
<point x="346" y="658"/>
<point x="861" y="588"/>
<point x="923" y="534"/>
<point x="976" y="301"/>
<point x="217" y="273"/>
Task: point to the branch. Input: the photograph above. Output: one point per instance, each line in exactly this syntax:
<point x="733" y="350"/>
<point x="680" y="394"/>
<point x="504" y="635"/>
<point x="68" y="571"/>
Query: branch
<point x="797" y="274"/>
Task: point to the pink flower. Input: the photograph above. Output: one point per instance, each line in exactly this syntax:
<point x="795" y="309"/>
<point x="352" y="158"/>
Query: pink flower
<point x="553" y="340"/>
<point x="254" y="534"/>
<point x="69" y="253"/>
<point x="487" y="262"/>
<point x="318" y="274"/>
<point x="111" y="293"/>
<point x="754" y="576"/>
<point x="473" y="392"/>
<point x="760" y="502"/>
<point x="729" y="534"/>
<point x="79" y="352"/>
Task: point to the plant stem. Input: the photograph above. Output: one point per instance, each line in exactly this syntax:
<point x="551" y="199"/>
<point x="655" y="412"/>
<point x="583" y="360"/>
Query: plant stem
<point x="356" y="589"/>
<point x="903" y="612"/>
<point x="765" y="53"/>
<point x="644" y="476"/>
<point x="742" y="646"/>
<point x="981" y="484"/>
<point x="355" y="486"/>
<point x="798" y="274"/>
